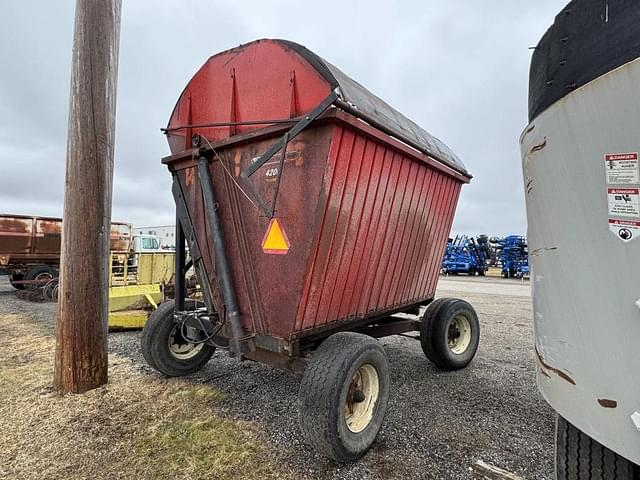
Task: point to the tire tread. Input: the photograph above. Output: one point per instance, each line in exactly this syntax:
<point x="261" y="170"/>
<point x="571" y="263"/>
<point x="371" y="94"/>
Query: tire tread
<point x="156" y="352"/>
<point x="433" y="338"/>
<point x="580" y="457"/>
<point x="319" y="389"/>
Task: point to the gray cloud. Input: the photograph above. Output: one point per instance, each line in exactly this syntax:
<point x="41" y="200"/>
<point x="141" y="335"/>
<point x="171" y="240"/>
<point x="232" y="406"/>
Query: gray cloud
<point x="459" y="69"/>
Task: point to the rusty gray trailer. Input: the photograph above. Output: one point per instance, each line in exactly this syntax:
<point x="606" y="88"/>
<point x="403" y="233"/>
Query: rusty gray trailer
<point x="30" y="247"/>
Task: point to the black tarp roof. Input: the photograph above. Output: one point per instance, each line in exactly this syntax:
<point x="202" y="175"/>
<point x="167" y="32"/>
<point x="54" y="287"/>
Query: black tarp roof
<point x="372" y="106"/>
<point x="587" y="39"/>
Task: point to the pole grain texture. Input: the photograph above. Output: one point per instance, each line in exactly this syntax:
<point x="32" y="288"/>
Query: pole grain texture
<point x="81" y="326"/>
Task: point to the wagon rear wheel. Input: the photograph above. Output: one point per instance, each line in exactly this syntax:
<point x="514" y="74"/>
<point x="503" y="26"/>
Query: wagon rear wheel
<point x="343" y="396"/>
<point x="165" y="347"/>
<point x="450" y="333"/>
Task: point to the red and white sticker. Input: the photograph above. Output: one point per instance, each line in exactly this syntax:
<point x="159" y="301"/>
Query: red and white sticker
<point x="624" y="202"/>
<point x="622" y="168"/>
<point x="624" y="229"/>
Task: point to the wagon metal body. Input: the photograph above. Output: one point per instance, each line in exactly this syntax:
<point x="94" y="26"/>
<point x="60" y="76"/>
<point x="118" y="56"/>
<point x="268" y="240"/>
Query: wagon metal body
<point x="316" y="216"/>
<point x="366" y="215"/>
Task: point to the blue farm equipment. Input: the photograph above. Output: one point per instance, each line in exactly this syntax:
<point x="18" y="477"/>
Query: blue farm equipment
<point x="466" y="255"/>
<point x="513" y="254"/>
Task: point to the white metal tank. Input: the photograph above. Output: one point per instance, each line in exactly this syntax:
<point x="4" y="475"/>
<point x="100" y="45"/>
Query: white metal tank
<point x="582" y="187"/>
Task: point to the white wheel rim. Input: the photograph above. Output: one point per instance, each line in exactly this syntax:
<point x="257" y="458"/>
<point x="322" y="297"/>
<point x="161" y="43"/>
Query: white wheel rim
<point x="459" y="334"/>
<point x="180" y="348"/>
<point x="362" y="396"/>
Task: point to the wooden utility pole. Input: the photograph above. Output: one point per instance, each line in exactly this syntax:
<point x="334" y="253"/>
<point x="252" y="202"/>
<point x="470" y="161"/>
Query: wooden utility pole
<point x="81" y="327"/>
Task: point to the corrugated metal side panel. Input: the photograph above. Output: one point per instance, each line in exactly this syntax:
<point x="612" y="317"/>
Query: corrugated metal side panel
<point x="445" y="211"/>
<point x="382" y="233"/>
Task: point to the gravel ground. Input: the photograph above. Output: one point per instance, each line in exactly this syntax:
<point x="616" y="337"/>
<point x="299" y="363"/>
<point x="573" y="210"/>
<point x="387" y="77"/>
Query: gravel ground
<point x="438" y="423"/>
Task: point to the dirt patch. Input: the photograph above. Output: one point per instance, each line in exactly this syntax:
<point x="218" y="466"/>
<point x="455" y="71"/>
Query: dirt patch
<point x="135" y="427"/>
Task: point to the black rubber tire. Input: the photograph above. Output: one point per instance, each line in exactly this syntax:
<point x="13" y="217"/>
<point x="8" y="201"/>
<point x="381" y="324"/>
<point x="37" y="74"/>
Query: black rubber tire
<point x="324" y="389"/>
<point x="580" y="457"/>
<point x="434" y="333"/>
<point x="432" y="311"/>
<point x="17" y="277"/>
<point x="155" y="347"/>
<point x="34" y="272"/>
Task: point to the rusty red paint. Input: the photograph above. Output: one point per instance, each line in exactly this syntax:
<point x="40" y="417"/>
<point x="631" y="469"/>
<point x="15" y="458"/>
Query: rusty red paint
<point x="32" y="239"/>
<point x="370" y="257"/>
<point x="557" y="371"/>
<point x="367" y="216"/>
<point x="544" y="372"/>
<point x="607" y="403"/>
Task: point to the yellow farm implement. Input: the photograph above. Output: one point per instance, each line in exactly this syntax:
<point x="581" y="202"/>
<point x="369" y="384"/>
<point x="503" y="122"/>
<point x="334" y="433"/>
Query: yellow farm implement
<point x="137" y="286"/>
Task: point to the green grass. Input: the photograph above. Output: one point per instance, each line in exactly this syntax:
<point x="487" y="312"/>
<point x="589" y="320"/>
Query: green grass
<point x="205" y="448"/>
<point x="136" y="427"/>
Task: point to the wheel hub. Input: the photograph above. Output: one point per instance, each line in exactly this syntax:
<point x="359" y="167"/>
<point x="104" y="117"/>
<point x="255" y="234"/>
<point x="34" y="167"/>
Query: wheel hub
<point x="180" y="347"/>
<point x="362" y="396"/>
<point x="459" y="334"/>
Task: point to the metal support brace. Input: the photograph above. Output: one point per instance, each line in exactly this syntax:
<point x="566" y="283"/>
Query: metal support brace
<point x="184" y="221"/>
<point x="281" y="145"/>
<point x="292" y="133"/>
<point x="179" y="267"/>
<point x="223" y="269"/>
<point x="285" y="142"/>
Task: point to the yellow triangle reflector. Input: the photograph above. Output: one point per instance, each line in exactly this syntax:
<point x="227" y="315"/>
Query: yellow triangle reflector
<point x="275" y="239"/>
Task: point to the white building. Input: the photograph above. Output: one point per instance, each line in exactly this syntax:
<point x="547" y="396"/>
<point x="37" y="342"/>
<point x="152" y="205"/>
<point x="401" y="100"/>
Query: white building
<point x="165" y="233"/>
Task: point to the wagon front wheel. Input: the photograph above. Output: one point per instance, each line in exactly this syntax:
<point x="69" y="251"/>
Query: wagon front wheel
<point x="167" y="348"/>
<point x="450" y="333"/>
<point x="343" y="396"/>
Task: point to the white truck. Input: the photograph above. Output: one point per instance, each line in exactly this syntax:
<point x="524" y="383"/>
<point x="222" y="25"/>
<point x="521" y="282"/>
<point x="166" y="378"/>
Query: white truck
<point x="147" y="244"/>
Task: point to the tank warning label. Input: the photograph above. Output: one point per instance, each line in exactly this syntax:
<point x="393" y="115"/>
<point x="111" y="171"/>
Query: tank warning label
<point x="624" y="202"/>
<point x="624" y="230"/>
<point x="622" y="168"/>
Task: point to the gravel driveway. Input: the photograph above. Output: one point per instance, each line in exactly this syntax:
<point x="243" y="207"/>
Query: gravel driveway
<point x="438" y="423"/>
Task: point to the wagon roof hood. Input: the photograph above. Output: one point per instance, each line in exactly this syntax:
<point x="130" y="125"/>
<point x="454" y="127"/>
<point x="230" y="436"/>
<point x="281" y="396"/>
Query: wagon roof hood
<point x="363" y="104"/>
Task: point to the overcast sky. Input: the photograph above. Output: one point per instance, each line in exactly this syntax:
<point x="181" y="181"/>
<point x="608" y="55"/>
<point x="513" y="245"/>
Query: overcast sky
<point x="457" y="68"/>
